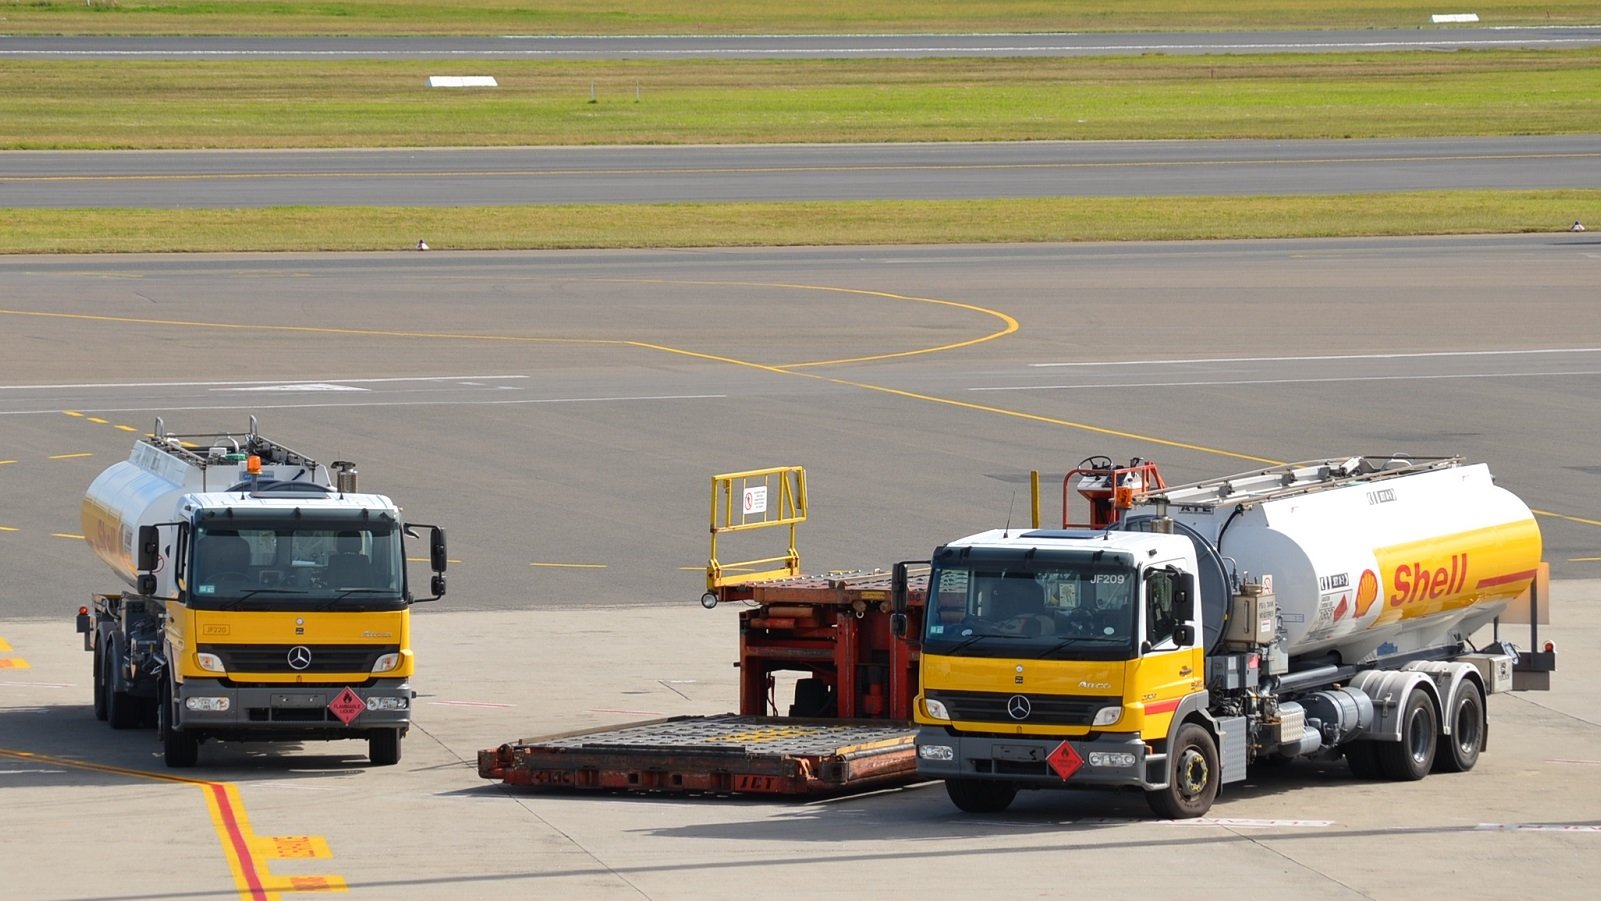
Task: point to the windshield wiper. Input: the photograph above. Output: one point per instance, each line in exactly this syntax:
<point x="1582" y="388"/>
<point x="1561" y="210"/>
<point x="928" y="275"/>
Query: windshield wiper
<point x="1075" y="639"/>
<point x="969" y="640"/>
<point x="347" y="592"/>
<point x="233" y="603"/>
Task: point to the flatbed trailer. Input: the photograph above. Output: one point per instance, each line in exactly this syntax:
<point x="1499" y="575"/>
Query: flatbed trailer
<point x="715" y="755"/>
<point x="849" y="727"/>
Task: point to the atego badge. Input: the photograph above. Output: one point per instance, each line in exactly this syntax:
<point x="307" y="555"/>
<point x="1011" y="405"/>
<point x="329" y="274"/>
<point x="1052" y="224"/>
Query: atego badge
<point x="347" y="705"/>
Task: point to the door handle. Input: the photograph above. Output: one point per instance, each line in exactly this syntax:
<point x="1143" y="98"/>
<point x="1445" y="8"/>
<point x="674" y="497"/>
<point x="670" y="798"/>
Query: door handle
<point x="1185" y="671"/>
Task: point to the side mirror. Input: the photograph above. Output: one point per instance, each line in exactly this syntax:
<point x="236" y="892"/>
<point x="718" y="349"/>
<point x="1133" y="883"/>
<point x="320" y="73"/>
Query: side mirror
<point x="149" y="551"/>
<point x="1184" y="597"/>
<point x="438" y="586"/>
<point x="436" y="553"/>
<point x="146" y="584"/>
<point x="897" y="596"/>
<point x="1184" y="635"/>
<point x="897" y="625"/>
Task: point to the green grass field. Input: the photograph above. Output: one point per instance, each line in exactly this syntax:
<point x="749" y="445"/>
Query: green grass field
<point x="53" y="103"/>
<point x="305" y="229"/>
<point x="492" y="17"/>
<point x="78" y="104"/>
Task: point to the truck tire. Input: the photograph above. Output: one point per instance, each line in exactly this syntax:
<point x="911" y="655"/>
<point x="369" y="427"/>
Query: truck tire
<point x="1411" y="758"/>
<point x="100" y="687"/>
<point x="123" y="710"/>
<point x="980" y="795"/>
<point x="1459" y="751"/>
<point x="813" y="698"/>
<point x="1192" y="776"/>
<point x="1363" y="760"/>
<point x="383" y="747"/>
<point x="180" y="749"/>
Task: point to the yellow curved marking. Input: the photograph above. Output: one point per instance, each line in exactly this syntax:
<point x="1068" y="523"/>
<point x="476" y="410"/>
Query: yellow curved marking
<point x="240" y="844"/>
<point x="1011" y="324"/>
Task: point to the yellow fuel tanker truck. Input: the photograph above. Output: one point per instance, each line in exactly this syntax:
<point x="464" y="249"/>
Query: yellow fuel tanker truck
<point x="264" y="598"/>
<point x="1313" y="610"/>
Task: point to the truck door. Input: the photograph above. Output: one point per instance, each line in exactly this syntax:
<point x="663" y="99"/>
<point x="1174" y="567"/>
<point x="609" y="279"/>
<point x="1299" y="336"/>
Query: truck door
<point x="1169" y="669"/>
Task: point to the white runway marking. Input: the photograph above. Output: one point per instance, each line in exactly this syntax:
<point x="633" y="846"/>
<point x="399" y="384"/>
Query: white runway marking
<point x="1194" y="383"/>
<point x="1400" y="356"/>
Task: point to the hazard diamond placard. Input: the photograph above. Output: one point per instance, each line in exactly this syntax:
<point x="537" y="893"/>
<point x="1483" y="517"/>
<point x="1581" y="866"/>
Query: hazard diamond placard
<point x="347" y="705"/>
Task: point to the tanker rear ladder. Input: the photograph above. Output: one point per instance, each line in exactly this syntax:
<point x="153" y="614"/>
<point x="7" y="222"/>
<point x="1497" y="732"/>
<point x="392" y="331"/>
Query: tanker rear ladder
<point x="1290" y="479"/>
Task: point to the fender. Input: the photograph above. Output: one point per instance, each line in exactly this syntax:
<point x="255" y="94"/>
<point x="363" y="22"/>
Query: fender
<point x="1389" y="690"/>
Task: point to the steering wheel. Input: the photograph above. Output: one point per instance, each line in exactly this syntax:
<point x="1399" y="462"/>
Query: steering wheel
<point x="1098" y="461"/>
<point x="1081" y="622"/>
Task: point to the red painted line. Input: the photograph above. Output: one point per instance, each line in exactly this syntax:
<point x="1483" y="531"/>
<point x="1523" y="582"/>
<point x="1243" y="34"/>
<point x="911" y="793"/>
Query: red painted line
<point x="1502" y="580"/>
<point x="247" y="865"/>
<point x="1161" y="706"/>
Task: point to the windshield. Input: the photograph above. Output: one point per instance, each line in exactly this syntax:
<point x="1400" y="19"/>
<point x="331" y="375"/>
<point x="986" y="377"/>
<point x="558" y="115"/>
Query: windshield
<point x="296" y="565"/>
<point x="1032" y="609"/>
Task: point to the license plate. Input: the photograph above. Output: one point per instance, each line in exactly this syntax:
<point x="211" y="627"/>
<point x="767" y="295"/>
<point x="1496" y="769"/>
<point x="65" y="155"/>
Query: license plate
<point x="1026" y="753"/>
<point x="298" y="700"/>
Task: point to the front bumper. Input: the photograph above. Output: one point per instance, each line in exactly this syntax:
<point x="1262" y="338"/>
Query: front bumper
<point x="1119" y="760"/>
<point x="291" y="709"/>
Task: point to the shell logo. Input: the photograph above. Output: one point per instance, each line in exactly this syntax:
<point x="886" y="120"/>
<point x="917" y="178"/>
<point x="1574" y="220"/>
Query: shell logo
<point x="1367" y="591"/>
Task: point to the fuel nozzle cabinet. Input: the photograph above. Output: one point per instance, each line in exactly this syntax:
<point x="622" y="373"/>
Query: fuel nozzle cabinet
<point x="1253" y="618"/>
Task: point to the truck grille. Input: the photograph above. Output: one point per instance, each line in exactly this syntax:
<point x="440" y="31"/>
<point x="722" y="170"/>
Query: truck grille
<point x="993" y="707"/>
<point x="275" y="658"/>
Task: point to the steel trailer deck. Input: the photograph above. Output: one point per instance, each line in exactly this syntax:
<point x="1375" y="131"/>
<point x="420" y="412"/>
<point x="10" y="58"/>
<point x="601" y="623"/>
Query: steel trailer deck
<point x="721" y="755"/>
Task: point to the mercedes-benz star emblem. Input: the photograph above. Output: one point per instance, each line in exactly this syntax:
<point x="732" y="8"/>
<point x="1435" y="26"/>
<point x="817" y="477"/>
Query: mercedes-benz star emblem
<point x="1017" y="707"/>
<point x="300" y="658"/>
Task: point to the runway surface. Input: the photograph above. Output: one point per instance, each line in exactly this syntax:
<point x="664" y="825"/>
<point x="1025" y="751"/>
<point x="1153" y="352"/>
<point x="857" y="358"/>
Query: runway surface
<point x="534" y="46"/>
<point x="563" y="412"/>
<point x="671" y="174"/>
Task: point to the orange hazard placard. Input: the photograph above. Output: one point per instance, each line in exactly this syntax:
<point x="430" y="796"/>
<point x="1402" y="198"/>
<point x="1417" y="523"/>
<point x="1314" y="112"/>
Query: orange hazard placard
<point x="347" y="705"/>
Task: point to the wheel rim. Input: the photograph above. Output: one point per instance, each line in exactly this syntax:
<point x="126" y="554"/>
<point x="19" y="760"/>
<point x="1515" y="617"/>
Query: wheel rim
<point x="1193" y="773"/>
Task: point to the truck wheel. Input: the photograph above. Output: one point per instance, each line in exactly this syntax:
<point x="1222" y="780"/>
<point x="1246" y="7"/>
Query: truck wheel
<point x="1459" y="751"/>
<point x="1192" y="776"/>
<point x="1363" y="759"/>
<point x="123" y="710"/>
<point x="979" y="795"/>
<point x="180" y="748"/>
<point x="100" y="687"/>
<point x="383" y="747"/>
<point x="1409" y="759"/>
<point x="813" y="698"/>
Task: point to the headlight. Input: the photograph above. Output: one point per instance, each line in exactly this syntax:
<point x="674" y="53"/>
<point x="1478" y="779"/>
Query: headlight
<point x="211" y="663"/>
<point x="935" y="709"/>
<point x="385" y="663"/>
<point x="1106" y="716"/>
<point x="386" y="703"/>
<point x="210" y="705"/>
<point x="1119" y="759"/>
<point x="936" y="752"/>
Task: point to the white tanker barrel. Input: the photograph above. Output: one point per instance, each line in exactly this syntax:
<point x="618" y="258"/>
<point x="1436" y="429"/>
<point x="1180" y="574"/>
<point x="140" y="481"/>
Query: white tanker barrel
<point x="118" y="502"/>
<point x="148" y="489"/>
<point x="1371" y="568"/>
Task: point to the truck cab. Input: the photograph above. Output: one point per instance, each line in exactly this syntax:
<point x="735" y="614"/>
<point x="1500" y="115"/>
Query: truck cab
<point x="268" y="601"/>
<point x="1053" y="653"/>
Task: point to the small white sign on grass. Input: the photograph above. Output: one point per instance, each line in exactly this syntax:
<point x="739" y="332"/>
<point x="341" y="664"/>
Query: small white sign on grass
<point x="462" y="81"/>
<point x="1443" y="18"/>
